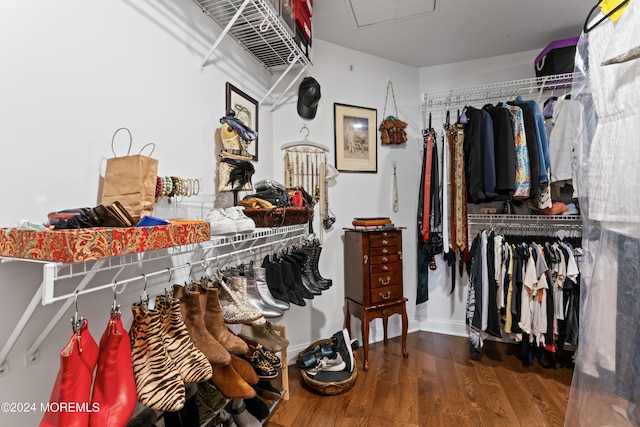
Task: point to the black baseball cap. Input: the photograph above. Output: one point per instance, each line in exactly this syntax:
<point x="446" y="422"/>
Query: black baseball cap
<point x="308" y="97"/>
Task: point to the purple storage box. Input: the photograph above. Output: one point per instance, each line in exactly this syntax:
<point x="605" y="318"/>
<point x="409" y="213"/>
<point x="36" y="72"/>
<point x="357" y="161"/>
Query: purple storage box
<point x="557" y="58"/>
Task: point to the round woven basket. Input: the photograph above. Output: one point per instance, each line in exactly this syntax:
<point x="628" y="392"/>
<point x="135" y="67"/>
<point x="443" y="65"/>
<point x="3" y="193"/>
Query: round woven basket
<point x="332" y="387"/>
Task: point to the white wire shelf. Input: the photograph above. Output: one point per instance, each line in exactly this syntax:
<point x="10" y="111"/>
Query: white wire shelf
<point x="525" y="224"/>
<point x="496" y="91"/>
<point x="195" y="254"/>
<point x="255" y="25"/>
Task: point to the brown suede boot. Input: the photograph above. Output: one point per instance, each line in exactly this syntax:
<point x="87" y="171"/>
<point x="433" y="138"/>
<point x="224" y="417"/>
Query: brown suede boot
<point x="230" y="383"/>
<point x="210" y="303"/>
<point x="244" y="369"/>
<point x="194" y="321"/>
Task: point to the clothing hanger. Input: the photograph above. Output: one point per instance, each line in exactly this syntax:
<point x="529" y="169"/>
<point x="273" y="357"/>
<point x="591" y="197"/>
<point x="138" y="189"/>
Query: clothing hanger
<point x="586" y="28"/>
<point x="304" y="142"/>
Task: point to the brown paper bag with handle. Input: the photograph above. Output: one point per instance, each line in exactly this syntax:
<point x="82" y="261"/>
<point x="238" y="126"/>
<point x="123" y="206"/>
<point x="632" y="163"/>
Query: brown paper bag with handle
<point x="131" y="180"/>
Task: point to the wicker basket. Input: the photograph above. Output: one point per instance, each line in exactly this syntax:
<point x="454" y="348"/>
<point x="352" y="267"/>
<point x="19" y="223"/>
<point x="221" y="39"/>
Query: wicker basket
<point x="329" y="388"/>
<point x="279" y="217"/>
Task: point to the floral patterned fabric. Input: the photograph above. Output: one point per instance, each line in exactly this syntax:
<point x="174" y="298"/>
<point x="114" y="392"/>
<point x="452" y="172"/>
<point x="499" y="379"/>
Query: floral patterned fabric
<point x="94" y="243"/>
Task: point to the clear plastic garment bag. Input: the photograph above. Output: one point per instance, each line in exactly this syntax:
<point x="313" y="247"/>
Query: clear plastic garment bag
<point x="605" y="390"/>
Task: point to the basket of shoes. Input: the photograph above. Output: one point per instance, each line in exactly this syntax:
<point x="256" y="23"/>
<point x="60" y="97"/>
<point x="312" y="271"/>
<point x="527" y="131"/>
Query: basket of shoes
<point x="328" y="365"/>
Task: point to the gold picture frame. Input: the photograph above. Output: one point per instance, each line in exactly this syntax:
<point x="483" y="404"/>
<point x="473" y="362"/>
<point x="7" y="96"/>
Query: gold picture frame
<point x="356" y="138"/>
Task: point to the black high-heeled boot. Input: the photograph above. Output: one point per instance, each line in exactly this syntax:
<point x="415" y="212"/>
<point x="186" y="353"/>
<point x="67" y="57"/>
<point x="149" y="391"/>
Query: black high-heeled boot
<point x="274" y="281"/>
<point x="296" y="292"/>
<point x="315" y="257"/>
<point x="297" y="262"/>
<point x="307" y="269"/>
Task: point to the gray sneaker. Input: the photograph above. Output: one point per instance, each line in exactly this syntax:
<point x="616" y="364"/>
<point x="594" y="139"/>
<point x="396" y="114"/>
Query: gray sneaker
<point x="327" y="364"/>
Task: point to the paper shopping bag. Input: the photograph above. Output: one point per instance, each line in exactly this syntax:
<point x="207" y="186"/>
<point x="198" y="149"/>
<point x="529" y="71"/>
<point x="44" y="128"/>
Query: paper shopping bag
<point x="131" y="180"/>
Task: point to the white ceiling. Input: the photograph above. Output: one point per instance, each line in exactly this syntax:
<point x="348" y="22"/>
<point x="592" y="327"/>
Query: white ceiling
<point x="458" y="30"/>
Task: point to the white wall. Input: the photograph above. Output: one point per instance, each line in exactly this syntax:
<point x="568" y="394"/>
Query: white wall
<point x="350" y="77"/>
<point x="75" y="71"/>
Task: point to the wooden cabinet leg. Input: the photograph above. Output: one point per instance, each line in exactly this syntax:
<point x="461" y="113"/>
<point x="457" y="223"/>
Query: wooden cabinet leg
<point x="385" y="322"/>
<point x="405" y="327"/>
<point x="365" y="341"/>
<point x="347" y="317"/>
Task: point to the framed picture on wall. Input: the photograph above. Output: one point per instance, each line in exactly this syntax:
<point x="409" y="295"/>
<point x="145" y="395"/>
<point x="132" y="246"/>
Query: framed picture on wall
<point x="246" y="109"/>
<point x="355" y="138"/>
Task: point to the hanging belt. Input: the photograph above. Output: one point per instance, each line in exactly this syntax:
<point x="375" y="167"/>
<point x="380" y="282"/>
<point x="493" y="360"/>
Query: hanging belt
<point x="428" y="138"/>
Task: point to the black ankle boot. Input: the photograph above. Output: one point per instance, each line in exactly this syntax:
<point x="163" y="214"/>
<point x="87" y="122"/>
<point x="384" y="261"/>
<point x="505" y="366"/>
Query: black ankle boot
<point x="296" y="294"/>
<point x="273" y="276"/>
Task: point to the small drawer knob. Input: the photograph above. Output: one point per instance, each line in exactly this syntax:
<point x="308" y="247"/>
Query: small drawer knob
<point x="385" y="242"/>
<point x="385" y="259"/>
<point x="385" y="268"/>
<point x="385" y="251"/>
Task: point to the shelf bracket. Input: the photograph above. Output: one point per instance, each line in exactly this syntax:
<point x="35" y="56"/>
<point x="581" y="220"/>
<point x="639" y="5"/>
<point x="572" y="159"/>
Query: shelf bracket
<point x="295" y="60"/>
<point x="284" y="92"/>
<point x="224" y="33"/>
<point x="48" y="271"/>
<point x="32" y="353"/>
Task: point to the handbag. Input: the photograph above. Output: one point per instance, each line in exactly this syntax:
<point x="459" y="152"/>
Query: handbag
<point x="131" y="180"/>
<point x="234" y="174"/>
<point x="392" y="129"/>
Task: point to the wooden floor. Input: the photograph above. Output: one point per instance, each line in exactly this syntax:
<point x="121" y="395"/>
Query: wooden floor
<point x="438" y="385"/>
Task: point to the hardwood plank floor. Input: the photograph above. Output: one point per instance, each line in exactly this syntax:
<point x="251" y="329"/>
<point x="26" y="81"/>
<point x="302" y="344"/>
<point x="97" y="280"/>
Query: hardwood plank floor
<point x="438" y="385"/>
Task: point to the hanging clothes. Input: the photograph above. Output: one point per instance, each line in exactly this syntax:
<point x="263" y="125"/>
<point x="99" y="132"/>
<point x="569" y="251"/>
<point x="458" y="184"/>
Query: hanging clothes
<point x="505" y="156"/>
<point x="510" y="283"/>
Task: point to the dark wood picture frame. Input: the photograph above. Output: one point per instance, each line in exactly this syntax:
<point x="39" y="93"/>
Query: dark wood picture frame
<point x="356" y="138"/>
<point x="247" y="111"/>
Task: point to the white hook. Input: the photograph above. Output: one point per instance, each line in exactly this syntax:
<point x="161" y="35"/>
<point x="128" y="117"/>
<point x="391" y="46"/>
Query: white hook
<point x="144" y="298"/>
<point x="264" y="25"/>
<point x="303" y="128"/>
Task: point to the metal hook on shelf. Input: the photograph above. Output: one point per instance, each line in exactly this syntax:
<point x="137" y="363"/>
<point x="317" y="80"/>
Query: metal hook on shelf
<point x="76" y="321"/>
<point x="264" y="25"/>
<point x="115" y="307"/>
<point x="144" y="298"/>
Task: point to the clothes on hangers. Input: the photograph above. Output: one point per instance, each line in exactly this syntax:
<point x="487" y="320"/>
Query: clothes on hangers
<point x="530" y="284"/>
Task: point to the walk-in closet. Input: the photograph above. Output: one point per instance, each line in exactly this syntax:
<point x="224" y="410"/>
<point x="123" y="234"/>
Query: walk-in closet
<point x="291" y="213"/>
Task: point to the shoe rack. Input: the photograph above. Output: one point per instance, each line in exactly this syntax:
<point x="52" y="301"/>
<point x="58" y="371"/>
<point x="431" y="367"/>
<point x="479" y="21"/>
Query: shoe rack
<point x="144" y="269"/>
<point x="284" y="371"/>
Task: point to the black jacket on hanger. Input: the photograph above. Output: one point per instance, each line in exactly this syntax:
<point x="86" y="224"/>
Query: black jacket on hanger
<point x="505" y="151"/>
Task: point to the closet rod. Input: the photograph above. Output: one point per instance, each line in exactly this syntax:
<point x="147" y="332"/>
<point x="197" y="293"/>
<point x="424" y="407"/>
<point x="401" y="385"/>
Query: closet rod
<point x="32" y="355"/>
<point x="453" y="97"/>
<point x="169" y="270"/>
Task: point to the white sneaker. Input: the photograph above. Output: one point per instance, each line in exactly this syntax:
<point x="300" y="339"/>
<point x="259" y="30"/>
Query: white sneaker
<point x="244" y="224"/>
<point x="334" y="364"/>
<point x="221" y="224"/>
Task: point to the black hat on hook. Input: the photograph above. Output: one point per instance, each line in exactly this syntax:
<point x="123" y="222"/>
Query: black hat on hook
<point x="308" y="98"/>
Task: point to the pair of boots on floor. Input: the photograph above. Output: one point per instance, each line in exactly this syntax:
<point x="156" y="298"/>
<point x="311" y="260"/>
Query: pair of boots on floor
<point x="293" y="276"/>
